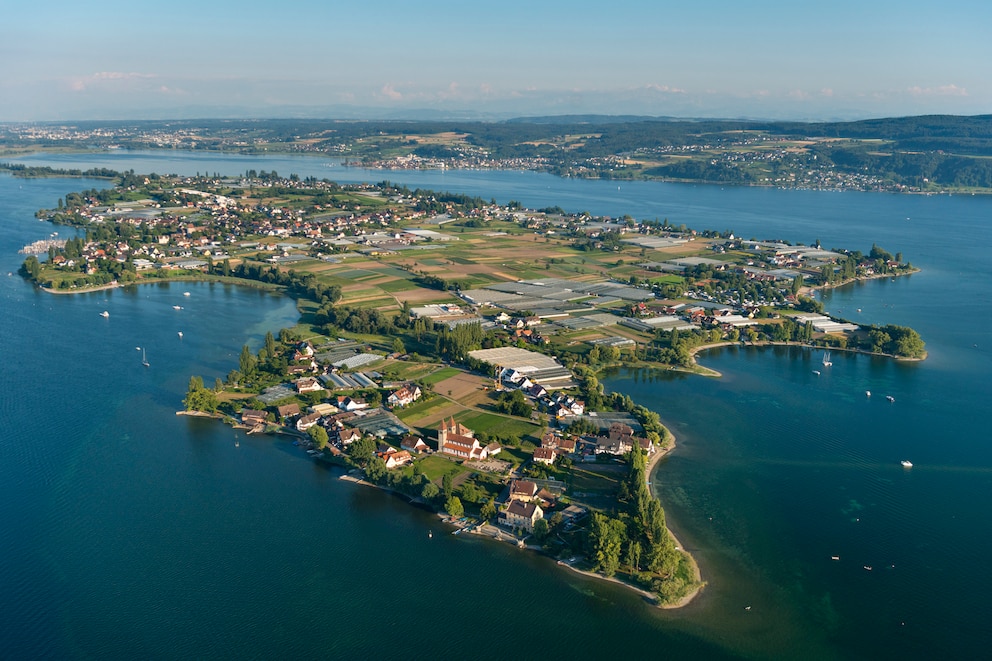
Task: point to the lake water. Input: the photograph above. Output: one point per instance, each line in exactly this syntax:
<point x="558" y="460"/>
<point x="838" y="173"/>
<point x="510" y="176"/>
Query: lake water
<point x="130" y="532"/>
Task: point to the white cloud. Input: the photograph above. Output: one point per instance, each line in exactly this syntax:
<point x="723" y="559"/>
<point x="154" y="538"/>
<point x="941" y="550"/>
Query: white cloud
<point x="103" y="78"/>
<point x="943" y="90"/>
<point x="390" y="93"/>
<point x="665" y="89"/>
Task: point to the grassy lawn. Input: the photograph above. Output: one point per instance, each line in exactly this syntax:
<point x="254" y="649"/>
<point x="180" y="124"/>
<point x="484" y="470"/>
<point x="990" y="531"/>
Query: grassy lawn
<point x="397" y="285"/>
<point x="421" y="409"/>
<point x="441" y="375"/>
<point x="591" y="480"/>
<point x="491" y="423"/>
<point x="408" y="371"/>
<point x="379" y="302"/>
<point x="436" y="466"/>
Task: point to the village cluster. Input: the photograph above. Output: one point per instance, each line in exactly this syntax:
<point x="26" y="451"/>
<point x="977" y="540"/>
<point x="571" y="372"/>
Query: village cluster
<point x="349" y="418"/>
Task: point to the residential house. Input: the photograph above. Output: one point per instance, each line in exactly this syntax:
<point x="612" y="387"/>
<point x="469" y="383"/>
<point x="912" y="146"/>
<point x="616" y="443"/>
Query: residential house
<point x="254" y="418"/>
<point x="414" y="444"/>
<point x="288" y="411"/>
<point x="308" y="384"/>
<point x="348" y="436"/>
<point x="524" y="490"/>
<point x="537" y="391"/>
<point x="395" y="459"/>
<point x="348" y="404"/>
<point x="544" y="456"/>
<point x="521" y="515"/>
<point x="404" y="396"/>
<point x="305" y="422"/>
<point x="620" y="440"/>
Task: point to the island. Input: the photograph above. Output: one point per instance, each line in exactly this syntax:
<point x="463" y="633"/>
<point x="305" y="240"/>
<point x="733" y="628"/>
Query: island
<point x="450" y="349"/>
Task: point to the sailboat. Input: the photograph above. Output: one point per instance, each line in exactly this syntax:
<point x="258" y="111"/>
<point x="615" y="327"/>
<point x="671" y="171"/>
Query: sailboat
<point x="144" y="361"/>
<point x="826" y="359"/>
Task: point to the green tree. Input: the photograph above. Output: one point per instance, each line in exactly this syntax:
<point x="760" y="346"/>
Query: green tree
<point x="362" y="450"/>
<point x="31" y="267"/>
<point x="430" y="492"/>
<point x="878" y="339"/>
<point x="634" y="555"/>
<point x="199" y="398"/>
<point x="375" y="470"/>
<point x="471" y="493"/>
<point x="447" y="486"/>
<point x="270" y="344"/>
<point x="319" y="436"/>
<point x="454" y="507"/>
<point x="606" y="538"/>
<point x="541" y="530"/>
<point x="247" y="362"/>
<point x="488" y="510"/>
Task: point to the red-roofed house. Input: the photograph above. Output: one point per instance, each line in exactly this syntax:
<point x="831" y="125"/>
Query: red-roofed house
<point x="404" y="396"/>
<point x="308" y="384"/>
<point x="544" y="456"/>
<point x="394" y="459"/>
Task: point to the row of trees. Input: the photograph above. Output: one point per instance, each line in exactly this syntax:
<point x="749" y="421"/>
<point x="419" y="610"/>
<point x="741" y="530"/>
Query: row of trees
<point x="635" y="540"/>
<point x="305" y="285"/>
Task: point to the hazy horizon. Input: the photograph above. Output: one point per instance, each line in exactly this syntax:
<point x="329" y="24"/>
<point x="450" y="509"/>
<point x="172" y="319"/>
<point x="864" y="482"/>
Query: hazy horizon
<point x="762" y="60"/>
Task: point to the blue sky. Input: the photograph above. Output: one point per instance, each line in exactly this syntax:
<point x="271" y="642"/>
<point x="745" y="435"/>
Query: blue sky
<point x="762" y="59"/>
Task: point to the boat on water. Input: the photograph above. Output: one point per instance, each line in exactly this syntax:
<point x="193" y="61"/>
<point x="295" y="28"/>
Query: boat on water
<point x="177" y="307"/>
<point x="185" y="293"/>
<point x="867" y="393"/>
<point x="890" y="398"/>
<point x="835" y="557"/>
<point x="816" y="372"/>
<point x="906" y="464"/>
<point x="826" y="359"/>
<point x="105" y="314"/>
<point x="180" y="334"/>
<point x="144" y="360"/>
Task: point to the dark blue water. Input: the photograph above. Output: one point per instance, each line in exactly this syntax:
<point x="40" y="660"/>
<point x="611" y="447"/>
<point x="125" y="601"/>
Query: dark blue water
<point x="130" y="532"/>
